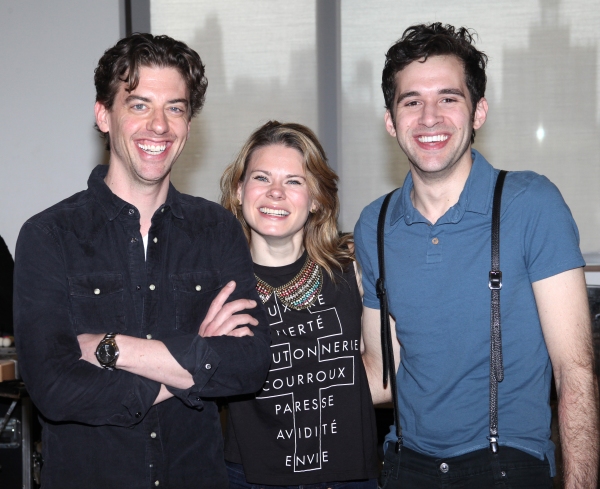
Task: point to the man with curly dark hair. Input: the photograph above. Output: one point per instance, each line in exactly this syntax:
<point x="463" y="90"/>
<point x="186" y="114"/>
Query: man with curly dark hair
<point x="474" y="402"/>
<point x="126" y="294"/>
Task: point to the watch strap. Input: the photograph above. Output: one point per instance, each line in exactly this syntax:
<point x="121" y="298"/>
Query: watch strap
<point x="109" y="337"/>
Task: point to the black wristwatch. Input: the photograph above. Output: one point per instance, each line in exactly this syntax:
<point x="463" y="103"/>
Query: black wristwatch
<point x="108" y="351"/>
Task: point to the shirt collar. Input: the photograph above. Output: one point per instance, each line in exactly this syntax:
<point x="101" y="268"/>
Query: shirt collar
<point x="475" y="197"/>
<point x="113" y="205"/>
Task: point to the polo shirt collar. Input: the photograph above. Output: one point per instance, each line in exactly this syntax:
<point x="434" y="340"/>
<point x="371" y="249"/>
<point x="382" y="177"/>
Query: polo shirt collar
<point x="113" y="205"/>
<point x="475" y="197"/>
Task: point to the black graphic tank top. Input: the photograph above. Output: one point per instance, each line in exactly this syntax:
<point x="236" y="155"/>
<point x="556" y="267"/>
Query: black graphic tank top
<point x="313" y="420"/>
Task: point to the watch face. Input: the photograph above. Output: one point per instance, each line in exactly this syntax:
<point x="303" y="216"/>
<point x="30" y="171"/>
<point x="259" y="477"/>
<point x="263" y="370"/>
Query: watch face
<point x="106" y="353"/>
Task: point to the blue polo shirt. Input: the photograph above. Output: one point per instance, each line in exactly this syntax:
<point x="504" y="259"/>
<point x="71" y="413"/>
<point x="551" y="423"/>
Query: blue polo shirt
<point x="437" y="282"/>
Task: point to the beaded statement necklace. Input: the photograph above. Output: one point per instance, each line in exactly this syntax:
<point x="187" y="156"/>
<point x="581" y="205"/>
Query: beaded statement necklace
<point x="300" y="292"/>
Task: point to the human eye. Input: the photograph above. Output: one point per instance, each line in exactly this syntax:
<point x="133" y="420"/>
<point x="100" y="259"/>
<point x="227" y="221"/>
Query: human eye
<point x="294" y="181"/>
<point x="138" y="106"/>
<point x="177" y="110"/>
<point x="260" y="178"/>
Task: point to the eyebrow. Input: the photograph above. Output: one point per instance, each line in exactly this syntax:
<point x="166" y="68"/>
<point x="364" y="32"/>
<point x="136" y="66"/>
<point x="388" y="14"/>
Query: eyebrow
<point x="132" y="98"/>
<point x="179" y="101"/>
<point x="443" y="91"/>
<point x="290" y="175"/>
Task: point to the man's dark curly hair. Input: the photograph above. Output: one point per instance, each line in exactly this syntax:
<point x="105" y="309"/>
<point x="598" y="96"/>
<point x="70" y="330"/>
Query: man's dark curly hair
<point x="122" y="63"/>
<point x="424" y="40"/>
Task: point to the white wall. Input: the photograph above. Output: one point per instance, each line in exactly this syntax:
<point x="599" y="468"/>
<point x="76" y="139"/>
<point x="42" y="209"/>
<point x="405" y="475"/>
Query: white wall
<point x="48" y="144"/>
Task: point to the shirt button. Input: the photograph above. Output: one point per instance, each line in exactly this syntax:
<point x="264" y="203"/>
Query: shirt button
<point x="198" y="398"/>
<point x="152" y="287"/>
<point x="155" y="240"/>
<point x="444" y="467"/>
<point x="131" y="212"/>
<point x="162" y="210"/>
<point x="97" y="291"/>
<point x="153" y="435"/>
<point x="198" y="288"/>
<point x="435" y="241"/>
<point x="138" y="415"/>
<point x="157" y="483"/>
<point x="138" y="287"/>
<point x="149" y="336"/>
<point x="151" y="465"/>
<point x="208" y="366"/>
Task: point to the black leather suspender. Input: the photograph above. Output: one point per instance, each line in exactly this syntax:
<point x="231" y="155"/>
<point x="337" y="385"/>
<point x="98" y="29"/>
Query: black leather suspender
<point x="495" y="284"/>
<point x="387" y="350"/>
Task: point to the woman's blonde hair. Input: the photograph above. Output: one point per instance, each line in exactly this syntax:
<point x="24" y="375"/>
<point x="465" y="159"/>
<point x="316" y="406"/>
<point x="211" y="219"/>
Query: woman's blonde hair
<point x="321" y="237"/>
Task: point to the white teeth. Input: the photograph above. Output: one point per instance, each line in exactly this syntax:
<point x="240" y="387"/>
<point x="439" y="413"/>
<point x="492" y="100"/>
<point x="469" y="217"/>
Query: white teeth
<point x="433" y="139"/>
<point x="274" y="212"/>
<point x="152" y="149"/>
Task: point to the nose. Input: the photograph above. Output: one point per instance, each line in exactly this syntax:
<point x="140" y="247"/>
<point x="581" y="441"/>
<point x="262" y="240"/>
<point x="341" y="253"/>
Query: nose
<point x="430" y="115"/>
<point x="158" y="122"/>
<point x="276" y="191"/>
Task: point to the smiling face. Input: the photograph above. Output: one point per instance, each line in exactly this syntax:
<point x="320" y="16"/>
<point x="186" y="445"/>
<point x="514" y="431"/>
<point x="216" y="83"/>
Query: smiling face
<point x="148" y="127"/>
<point x="434" y="117"/>
<point x="274" y="194"/>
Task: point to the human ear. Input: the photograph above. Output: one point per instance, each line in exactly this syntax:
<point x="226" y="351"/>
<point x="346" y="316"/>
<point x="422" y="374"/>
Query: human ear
<point x="239" y="193"/>
<point x="480" y="113"/>
<point x="101" y="113"/>
<point x="389" y="123"/>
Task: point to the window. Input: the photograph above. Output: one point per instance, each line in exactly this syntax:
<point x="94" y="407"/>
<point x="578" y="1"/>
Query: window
<point x="543" y="86"/>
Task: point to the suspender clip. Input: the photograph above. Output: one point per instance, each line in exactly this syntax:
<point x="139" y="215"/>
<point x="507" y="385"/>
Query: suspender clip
<point x="495" y="282"/>
<point x="398" y="444"/>
<point x="493" y="444"/>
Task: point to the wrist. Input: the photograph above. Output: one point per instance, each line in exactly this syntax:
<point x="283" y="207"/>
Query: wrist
<point x="107" y="351"/>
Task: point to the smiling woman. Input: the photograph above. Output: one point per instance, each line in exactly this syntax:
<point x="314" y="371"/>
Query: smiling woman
<point x="313" y="422"/>
<point x="276" y="144"/>
<point x="275" y="198"/>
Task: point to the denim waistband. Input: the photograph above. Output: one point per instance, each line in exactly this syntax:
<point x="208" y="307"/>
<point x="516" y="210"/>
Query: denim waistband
<point x="468" y="464"/>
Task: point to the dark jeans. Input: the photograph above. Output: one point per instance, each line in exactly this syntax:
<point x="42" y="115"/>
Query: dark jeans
<point x="509" y="468"/>
<point x="237" y="480"/>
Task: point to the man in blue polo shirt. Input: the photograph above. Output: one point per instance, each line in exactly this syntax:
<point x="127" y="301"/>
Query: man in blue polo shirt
<point x="437" y="249"/>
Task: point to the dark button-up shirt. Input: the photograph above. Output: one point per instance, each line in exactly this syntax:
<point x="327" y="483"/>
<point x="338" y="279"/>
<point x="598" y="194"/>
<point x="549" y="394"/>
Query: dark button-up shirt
<point x="80" y="268"/>
<point x="6" y="289"/>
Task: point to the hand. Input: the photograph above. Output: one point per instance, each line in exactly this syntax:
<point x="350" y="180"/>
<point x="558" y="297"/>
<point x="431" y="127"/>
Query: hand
<point x="221" y="319"/>
<point x="89" y="343"/>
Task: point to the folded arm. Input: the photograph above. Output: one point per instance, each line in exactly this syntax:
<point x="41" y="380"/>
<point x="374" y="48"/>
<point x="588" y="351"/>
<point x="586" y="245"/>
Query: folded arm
<point x="151" y="358"/>
<point x="564" y="313"/>
<point x="230" y="352"/>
